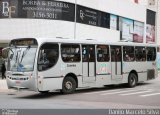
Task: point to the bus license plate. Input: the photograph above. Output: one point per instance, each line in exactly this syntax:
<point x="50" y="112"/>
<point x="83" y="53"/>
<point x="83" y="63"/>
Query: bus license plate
<point x="18" y="82"/>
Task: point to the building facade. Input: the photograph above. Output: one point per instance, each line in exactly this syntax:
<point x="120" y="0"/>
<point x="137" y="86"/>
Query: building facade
<point x="109" y="20"/>
<point x="153" y="5"/>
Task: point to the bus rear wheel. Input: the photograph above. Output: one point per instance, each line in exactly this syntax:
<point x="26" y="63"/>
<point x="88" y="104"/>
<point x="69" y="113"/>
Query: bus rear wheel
<point x="69" y="85"/>
<point x="132" y="80"/>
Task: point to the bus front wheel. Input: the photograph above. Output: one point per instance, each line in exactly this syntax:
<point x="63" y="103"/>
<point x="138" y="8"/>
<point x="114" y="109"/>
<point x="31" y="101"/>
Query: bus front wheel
<point x="132" y="80"/>
<point x="69" y="85"/>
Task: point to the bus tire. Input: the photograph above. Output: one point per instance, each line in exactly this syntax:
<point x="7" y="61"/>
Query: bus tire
<point x="132" y="80"/>
<point x="69" y="85"/>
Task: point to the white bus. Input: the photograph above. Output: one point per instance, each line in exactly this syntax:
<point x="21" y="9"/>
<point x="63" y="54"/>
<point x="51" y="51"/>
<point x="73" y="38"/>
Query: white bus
<point x="44" y="65"/>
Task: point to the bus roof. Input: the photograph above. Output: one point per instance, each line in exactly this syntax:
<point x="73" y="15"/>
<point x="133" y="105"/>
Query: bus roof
<point x="87" y="41"/>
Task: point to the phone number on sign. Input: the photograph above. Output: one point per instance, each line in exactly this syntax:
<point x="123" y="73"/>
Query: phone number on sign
<point x="44" y="15"/>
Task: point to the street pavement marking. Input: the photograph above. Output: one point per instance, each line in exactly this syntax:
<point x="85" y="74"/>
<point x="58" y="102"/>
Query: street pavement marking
<point x="152" y="94"/>
<point x="104" y="91"/>
<point x="137" y="92"/>
<point x="126" y="92"/>
<point x="120" y="92"/>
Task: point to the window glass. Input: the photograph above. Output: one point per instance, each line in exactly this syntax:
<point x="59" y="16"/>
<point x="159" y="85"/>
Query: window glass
<point x="116" y="54"/>
<point x="91" y="53"/>
<point x="88" y="53"/>
<point x="21" y="59"/>
<point x="102" y="53"/>
<point x="140" y="53"/>
<point x="70" y="52"/>
<point x="48" y="56"/>
<point x="128" y="53"/>
<point x="151" y="54"/>
<point x="84" y="53"/>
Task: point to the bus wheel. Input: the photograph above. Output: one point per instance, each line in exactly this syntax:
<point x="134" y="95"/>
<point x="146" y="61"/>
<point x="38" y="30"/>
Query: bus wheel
<point x="132" y="80"/>
<point x="69" y="85"/>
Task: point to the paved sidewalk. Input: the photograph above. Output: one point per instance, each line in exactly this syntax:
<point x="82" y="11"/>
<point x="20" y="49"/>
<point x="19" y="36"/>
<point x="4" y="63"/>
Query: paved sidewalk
<point x="4" y="87"/>
<point x="3" y="84"/>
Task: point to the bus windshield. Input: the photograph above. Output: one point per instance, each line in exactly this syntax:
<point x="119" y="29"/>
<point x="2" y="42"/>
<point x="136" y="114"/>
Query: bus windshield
<point x="21" y="59"/>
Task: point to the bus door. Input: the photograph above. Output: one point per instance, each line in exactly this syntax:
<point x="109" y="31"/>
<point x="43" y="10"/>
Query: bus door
<point x="88" y="62"/>
<point x="116" y="62"/>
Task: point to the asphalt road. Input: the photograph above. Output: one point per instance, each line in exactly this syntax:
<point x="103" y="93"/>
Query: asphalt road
<point x="144" y="96"/>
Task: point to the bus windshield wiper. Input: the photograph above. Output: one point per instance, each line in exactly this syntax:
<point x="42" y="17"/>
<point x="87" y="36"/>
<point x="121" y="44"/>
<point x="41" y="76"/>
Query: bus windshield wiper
<point x="18" y="55"/>
<point x="25" y="52"/>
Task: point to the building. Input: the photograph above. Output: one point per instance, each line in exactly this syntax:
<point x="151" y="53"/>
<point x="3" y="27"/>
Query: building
<point x="109" y="20"/>
<point x="153" y="5"/>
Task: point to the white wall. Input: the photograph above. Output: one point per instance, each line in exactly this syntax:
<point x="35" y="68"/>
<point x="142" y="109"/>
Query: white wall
<point x="98" y="33"/>
<point x="143" y="2"/>
<point x="17" y="28"/>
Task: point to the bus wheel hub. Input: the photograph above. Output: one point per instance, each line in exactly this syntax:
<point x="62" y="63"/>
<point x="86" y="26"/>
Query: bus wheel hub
<point x="68" y="85"/>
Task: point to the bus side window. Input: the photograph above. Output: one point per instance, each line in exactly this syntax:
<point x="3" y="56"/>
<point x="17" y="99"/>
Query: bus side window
<point x="116" y="54"/>
<point x="85" y="54"/>
<point x="151" y="53"/>
<point x="128" y="53"/>
<point x="102" y="53"/>
<point x="140" y="53"/>
<point x="70" y="52"/>
<point x="91" y="54"/>
<point x="48" y="56"/>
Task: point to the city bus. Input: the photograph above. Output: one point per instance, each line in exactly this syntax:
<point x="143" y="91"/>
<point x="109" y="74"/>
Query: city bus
<point x="48" y="64"/>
